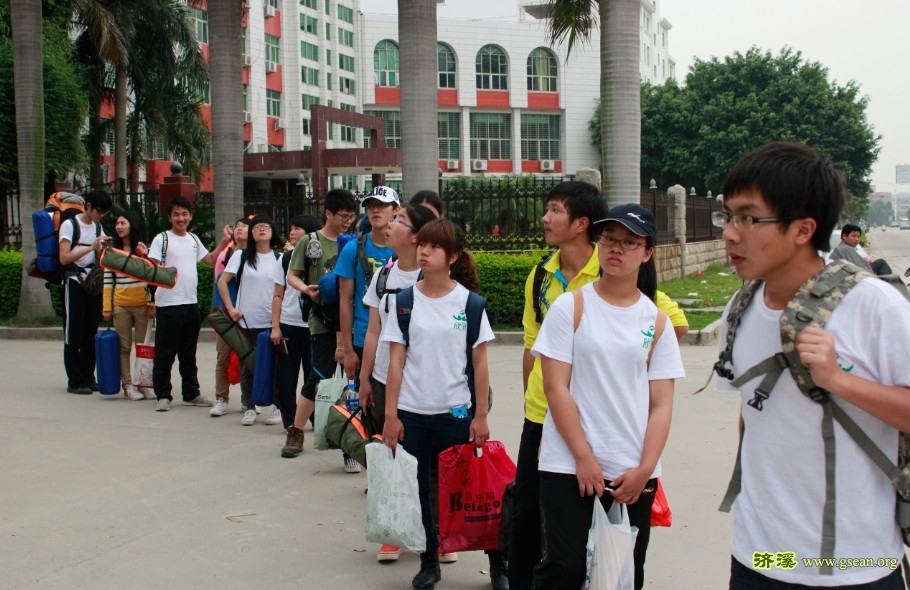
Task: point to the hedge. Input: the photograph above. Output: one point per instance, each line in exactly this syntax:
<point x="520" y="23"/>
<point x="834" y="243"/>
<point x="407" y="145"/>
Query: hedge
<point x="502" y="280"/>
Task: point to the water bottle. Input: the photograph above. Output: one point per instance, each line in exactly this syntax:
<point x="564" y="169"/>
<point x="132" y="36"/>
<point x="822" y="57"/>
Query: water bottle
<point x="351" y="398"/>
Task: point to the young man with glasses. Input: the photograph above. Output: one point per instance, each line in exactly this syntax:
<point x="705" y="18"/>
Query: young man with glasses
<point x="781" y="203"/>
<point x="314" y="256"/>
<point x="82" y="311"/>
<point x="356" y="265"/>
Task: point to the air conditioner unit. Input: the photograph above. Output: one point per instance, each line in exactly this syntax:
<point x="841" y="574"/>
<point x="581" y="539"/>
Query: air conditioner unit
<point x="246" y="4"/>
<point x="547" y="165"/>
<point x="478" y="165"/>
<point x="269" y="11"/>
<point x="247" y="117"/>
<point x="247" y="60"/>
<point x="271" y="66"/>
<point x="451" y="164"/>
<point x="279" y="124"/>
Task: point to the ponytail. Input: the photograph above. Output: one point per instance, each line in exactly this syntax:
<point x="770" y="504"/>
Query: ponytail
<point x="464" y="271"/>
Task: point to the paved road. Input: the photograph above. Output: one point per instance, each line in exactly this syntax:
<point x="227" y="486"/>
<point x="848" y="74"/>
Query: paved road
<point x="102" y="493"/>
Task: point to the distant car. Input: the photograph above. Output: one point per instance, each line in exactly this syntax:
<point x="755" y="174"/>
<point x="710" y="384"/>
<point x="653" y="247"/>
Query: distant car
<point x="893" y="224"/>
<point x="905" y="226"/>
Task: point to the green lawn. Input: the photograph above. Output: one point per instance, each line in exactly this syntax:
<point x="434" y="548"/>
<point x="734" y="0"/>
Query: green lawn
<point x="713" y="289"/>
<point x="700" y="319"/>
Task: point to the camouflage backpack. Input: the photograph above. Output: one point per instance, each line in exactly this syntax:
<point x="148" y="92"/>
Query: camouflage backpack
<point x="812" y="306"/>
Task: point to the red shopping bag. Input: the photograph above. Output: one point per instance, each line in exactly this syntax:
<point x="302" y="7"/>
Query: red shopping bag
<point x="233" y="369"/>
<point x="661" y="515"/>
<point x="471" y="486"/>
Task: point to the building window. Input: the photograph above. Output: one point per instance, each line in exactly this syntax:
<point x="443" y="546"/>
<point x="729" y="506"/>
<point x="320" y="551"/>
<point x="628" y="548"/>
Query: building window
<point x="448" y="127"/>
<point x="346" y="86"/>
<point x="201" y="92"/>
<point x="491" y="136"/>
<point x="200" y="20"/>
<point x="273" y="103"/>
<point x="392" y="127"/>
<point x="309" y="76"/>
<point x="328" y="6"/>
<point x="328" y="31"/>
<point x="347" y="107"/>
<point x="159" y="149"/>
<point x="272" y="3"/>
<point x="446" y="66"/>
<point x="314" y="4"/>
<point x="309" y="24"/>
<point x="492" y="69"/>
<point x="307" y="100"/>
<point x="273" y="49"/>
<point x="346" y="62"/>
<point x="328" y="81"/>
<point x="309" y="51"/>
<point x="345" y="14"/>
<point x="346" y="37"/>
<point x="328" y="57"/>
<point x="347" y="133"/>
<point x="305" y="126"/>
<point x="540" y="137"/>
<point x="541" y="71"/>
<point x="385" y="63"/>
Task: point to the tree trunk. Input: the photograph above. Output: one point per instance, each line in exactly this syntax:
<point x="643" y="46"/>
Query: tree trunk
<point x="227" y="109"/>
<point x="419" y="144"/>
<point x="120" y="163"/>
<point x="620" y="93"/>
<point x="28" y="78"/>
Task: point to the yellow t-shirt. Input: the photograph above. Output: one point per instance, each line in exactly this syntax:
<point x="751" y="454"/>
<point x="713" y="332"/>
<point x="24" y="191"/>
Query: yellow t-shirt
<point x="552" y="286"/>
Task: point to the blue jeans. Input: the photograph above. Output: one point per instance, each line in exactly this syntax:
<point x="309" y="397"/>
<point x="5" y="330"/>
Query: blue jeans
<point x="746" y="578"/>
<point x="420" y="432"/>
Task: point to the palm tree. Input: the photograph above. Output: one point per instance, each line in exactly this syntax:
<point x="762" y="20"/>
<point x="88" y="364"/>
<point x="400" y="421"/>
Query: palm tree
<point x="227" y="108"/>
<point x="417" y="42"/>
<point x="620" y="85"/>
<point x="25" y="15"/>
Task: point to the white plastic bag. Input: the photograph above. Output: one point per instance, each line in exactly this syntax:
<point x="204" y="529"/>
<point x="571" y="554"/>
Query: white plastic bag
<point x="328" y="392"/>
<point x="145" y="360"/>
<point x="393" y="504"/>
<point x="610" y="563"/>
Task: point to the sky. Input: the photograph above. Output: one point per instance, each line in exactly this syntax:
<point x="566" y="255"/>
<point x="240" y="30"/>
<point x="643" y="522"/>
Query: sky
<point x="861" y="40"/>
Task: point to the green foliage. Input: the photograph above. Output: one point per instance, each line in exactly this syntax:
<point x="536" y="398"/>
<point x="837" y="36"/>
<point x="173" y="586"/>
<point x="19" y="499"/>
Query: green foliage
<point x="698" y="320"/>
<point x="879" y="213"/>
<point x="502" y="282"/>
<point x="10" y="281"/>
<point x="205" y="289"/>
<point x="713" y="289"/>
<point x="693" y="135"/>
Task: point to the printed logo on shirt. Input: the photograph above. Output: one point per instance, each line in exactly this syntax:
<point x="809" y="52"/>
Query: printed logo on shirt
<point x="649" y="337"/>
<point x="843" y="368"/>
<point x="461" y="321"/>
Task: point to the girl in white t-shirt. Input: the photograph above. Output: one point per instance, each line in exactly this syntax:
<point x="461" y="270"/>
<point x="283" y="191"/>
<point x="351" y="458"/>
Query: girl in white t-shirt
<point x="427" y="394"/>
<point x="608" y="377"/>
<point x="253" y="308"/>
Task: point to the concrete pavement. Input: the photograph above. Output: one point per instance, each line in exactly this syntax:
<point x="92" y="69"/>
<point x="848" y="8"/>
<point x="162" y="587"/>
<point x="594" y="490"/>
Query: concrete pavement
<point x="99" y="492"/>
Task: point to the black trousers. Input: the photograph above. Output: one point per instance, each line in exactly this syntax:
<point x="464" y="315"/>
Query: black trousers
<point x="566" y="519"/>
<point x="524" y="548"/>
<point x="322" y="349"/>
<point x="176" y="335"/>
<point x="297" y="339"/>
<point x="81" y="316"/>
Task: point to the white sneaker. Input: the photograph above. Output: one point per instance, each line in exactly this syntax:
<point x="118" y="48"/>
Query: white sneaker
<point x="220" y="408"/>
<point x="249" y="418"/>
<point x="148" y="392"/>
<point x="274" y="418"/>
<point x="351" y="465"/>
<point x="132" y="393"/>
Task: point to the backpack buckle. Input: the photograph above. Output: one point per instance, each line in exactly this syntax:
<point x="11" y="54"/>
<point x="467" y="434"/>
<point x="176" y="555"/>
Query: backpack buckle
<point x="723" y="371"/>
<point x="757" y="401"/>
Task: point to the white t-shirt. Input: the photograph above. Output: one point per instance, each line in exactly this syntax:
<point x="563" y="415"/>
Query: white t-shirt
<point x="290" y="306"/>
<point x="254" y="296"/>
<point x="434" y="379"/>
<point x="86" y="238"/>
<point x="783" y="462"/>
<point x="183" y="252"/>
<point x="397" y="279"/>
<point x="610" y="375"/>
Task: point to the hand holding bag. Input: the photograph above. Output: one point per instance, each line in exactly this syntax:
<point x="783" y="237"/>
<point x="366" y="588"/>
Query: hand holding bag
<point x="145" y="360"/>
<point x="472" y="482"/>
<point x="328" y="392"/>
<point x="393" y="505"/>
<point x="661" y="515"/>
<point x="236" y="337"/>
<point x="610" y="564"/>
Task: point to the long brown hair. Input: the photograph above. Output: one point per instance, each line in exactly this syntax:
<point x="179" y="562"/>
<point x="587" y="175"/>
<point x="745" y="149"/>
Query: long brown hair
<point x="451" y="239"/>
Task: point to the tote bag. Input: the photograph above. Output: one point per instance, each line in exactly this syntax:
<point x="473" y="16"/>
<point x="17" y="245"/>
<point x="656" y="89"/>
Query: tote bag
<point x="145" y="360"/>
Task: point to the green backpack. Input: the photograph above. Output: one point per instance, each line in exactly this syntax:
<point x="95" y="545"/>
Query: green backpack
<point x="812" y="306"/>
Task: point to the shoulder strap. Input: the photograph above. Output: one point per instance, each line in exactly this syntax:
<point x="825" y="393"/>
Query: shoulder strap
<point x="163" y="247"/>
<point x="77" y="233"/>
<point x="239" y="274"/>
<point x="404" y="303"/>
<point x="365" y="265"/>
<point x="537" y="285"/>
<point x="473" y="310"/>
<point x="383" y="278"/>
<point x="286" y="264"/>
<point x="579" y="309"/>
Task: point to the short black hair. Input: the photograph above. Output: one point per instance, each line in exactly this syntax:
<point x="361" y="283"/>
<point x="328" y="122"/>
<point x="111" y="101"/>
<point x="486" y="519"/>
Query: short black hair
<point x="307" y="223"/>
<point x="340" y="199"/>
<point x="849" y="229"/>
<point x="796" y="181"/>
<point x="100" y="200"/>
<point x="178" y="202"/>
<point x="430" y="198"/>
<point x="582" y="199"/>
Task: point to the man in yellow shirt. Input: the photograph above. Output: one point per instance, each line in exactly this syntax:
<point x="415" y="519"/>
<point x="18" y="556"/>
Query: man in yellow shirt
<point x="572" y="206"/>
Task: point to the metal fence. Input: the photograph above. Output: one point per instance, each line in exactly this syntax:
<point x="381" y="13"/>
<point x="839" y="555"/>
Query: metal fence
<point x="497" y="214"/>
